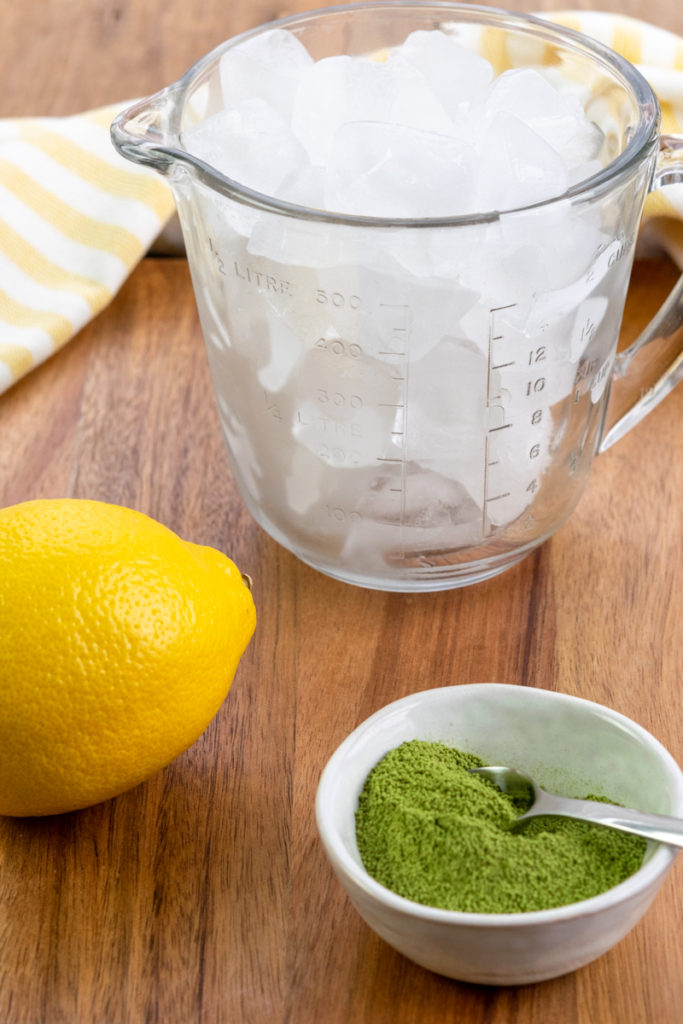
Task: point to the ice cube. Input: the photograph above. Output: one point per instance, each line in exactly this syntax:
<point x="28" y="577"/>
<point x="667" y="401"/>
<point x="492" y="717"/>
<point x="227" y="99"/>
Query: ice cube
<point x="267" y="66"/>
<point x="441" y="252"/>
<point x="316" y="245"/>
<point x="582" y="171"/>
<point x="568" y="234"/>
<point x="518" y="168"/>
<point x="286" y="347"/>
<point x="250" y="143"/>
<point x="503" y="274"/>
<point x="346" y="422"/>
<point x="295" y="241"/>
<point x="525" y="93"/>
<point x="333" y="91"/>
<point x="388" y="170"/>
<point x="446" y="412"/>
<point x="575" y="139"/>
<point x="303" y="482"/>
<point x="455" y="74"/>
<point x="408" y="518"/>
<point x="558" y="117"/>
<point x="446" y="396"/>
<point x="304" y="186"/>
<point x="413" y="102"/>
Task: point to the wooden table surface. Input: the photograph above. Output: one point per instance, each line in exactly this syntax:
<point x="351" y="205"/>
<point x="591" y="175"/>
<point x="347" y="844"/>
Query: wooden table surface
<point x="204" y="895"/>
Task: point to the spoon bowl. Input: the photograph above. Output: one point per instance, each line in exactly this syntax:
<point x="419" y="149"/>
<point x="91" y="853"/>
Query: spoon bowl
<point x="521" y="786"/>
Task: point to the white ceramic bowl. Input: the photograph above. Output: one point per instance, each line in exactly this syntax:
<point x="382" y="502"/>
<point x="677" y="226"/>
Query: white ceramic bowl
<point x="571" y="746"/>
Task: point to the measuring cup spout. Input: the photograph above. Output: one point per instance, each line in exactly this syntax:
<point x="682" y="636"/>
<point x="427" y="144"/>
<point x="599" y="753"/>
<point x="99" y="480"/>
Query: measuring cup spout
<point x="144" y="131"/>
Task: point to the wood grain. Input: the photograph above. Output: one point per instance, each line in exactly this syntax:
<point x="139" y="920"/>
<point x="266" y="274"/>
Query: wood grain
<point x="204" y="895"/>
<point x="108" y="51"/>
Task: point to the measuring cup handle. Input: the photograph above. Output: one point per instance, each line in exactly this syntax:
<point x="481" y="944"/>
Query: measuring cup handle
<point x="653" y="365"/>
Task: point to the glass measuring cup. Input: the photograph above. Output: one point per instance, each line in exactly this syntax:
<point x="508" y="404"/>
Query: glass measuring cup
<point x="415" y="404"/>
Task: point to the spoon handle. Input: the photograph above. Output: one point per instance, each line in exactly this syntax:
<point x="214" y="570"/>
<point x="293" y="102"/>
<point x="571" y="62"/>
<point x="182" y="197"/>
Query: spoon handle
<point x="660" y="827"/>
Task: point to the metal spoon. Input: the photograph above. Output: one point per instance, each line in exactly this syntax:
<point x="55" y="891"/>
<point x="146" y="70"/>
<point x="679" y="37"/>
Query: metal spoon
<point x="517" y="784"/>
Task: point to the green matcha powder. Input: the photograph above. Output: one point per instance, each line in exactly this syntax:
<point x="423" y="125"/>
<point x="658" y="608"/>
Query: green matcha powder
<point x="435" y="834"/>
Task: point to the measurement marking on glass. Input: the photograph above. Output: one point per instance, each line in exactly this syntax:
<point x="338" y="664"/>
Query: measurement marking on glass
<point x="397" y="325"/>
<point x="486" y="485"/>
<point x="499" y="363"/>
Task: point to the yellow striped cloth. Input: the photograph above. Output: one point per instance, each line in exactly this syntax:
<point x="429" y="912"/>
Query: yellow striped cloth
<point x="75" y="217"/>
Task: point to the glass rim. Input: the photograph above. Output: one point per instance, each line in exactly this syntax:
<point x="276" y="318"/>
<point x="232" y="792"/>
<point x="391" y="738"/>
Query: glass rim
<point x="170" y="151"/>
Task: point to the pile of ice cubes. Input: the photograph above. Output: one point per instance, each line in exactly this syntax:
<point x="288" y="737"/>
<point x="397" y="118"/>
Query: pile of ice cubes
<point x="429" y="131"/>
<point x="425" y="131"/>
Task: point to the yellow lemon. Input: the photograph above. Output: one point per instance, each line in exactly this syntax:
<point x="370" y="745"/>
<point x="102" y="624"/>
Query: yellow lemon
<point x="118" y="644"/>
